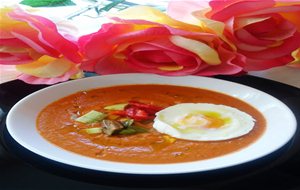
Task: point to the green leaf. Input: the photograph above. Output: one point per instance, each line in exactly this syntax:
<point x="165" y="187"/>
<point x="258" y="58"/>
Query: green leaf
<point x="132" y="130"/>
<point x="139" y="129"/>
<point x="110" y="6"/>
<point x="128" y="131"/>
<point x="47" y="3"/>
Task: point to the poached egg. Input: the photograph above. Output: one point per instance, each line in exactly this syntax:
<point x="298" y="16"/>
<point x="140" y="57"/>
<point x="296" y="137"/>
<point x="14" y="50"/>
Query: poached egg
<point x="203" y="122"/>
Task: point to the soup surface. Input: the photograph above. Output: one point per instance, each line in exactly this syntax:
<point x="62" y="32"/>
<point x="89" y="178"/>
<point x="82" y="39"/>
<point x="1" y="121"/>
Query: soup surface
<point x="56" y="124"/>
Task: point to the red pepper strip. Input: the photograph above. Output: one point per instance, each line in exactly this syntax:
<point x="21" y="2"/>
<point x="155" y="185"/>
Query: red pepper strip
<point x="138" y="111"/>
<point x="134" y="113"/>
<point x="151" y="109"/>
<point x="137" y="114"/>
<point x="118" y="112"/>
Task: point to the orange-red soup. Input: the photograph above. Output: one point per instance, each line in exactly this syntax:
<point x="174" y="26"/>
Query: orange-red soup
<point x="55" y="124"/>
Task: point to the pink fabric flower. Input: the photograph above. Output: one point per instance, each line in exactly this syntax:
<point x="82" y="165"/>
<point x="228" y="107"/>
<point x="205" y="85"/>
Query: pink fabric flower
<point x="33" y="44"/>
<point x="266" y="32"/>
<point x="157" y="44"/>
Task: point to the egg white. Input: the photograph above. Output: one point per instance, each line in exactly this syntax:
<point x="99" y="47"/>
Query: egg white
<point x="186" y="121"/>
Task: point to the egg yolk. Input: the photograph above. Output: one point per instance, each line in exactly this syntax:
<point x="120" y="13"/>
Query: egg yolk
<point x="202" y="119"/>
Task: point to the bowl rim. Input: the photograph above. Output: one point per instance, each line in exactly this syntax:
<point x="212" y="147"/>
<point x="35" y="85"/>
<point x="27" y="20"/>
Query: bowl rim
<point x="131" y="168"/>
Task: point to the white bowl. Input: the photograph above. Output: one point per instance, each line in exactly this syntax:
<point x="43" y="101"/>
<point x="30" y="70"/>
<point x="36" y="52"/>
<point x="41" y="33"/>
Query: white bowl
<point x="281" y="124"/>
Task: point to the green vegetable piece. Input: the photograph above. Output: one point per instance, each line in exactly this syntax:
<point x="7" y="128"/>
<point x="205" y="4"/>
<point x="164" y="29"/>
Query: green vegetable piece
<point x="139" y="129"/>
<point x="116" y="107"/>
<point x="132" y="130"/>
<point x="91" y="117"/>
<point x="47" y="3"/>
<point x="94" y="130"/>
<point x="128" y="131"/>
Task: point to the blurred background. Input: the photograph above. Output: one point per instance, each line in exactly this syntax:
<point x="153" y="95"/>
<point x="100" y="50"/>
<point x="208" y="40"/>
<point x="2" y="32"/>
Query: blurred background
<point x="79" y="17"/>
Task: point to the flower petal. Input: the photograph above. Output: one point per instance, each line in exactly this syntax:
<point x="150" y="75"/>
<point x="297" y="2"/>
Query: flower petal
<point x="46" y="67"/>
<point x="111" y="65"/>
<point x="296" y="56"/>
<point x="183" y="10"/>
<point x="153" y="15"/>
<point x="258" y="64"/>
<point x="241" y="22"/>
<point x="98" y="44"/>
<point x="206" y="53"/>
<point x="284" y="49"/>
<point x="246" y="37"/>
<point x="273" y="9"/>
<point x="15" y="59"/>
<point x="171" y="68"/>
<point x="47" y="34"/>
<point x="37" y="80"/>
<point x="236" y="7"/>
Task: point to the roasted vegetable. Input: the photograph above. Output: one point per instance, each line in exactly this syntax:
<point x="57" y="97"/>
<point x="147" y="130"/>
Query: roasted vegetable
<point x="126" y="122"/>
<point x="110" y="126"/>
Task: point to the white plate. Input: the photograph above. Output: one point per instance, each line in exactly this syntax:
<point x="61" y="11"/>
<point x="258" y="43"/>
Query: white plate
<point x="281" y="124"/>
